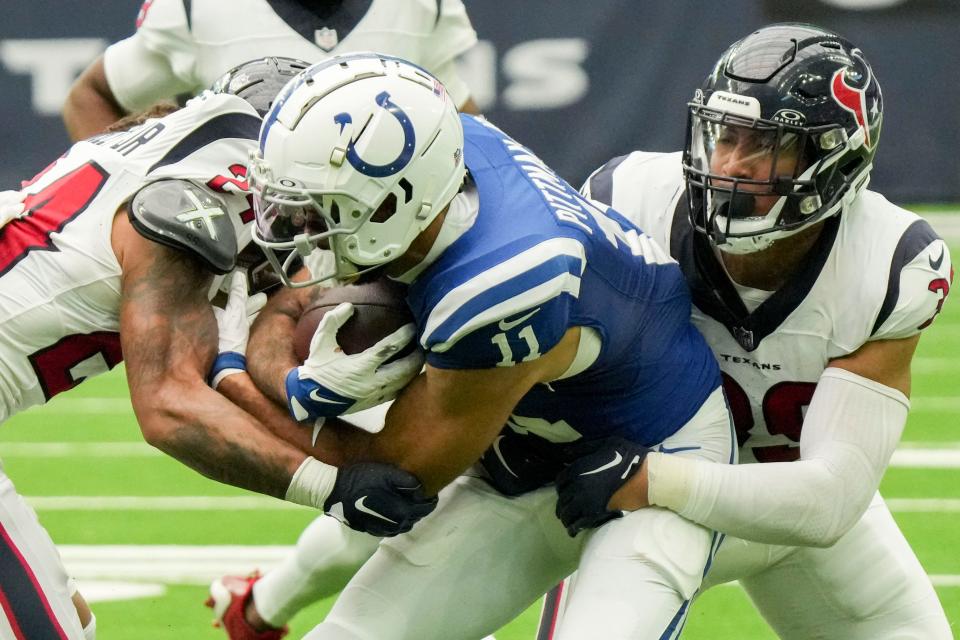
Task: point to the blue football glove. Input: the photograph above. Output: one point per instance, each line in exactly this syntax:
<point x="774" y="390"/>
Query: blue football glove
<point x="379" y="499"/>
<point x="331" y="383"/>
<point x="515" y="465"/>
<point x="585" y="487"/>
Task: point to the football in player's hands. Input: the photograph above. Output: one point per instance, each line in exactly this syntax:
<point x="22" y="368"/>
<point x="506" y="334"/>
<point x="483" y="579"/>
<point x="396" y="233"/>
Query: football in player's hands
<point x="379" y="309"/>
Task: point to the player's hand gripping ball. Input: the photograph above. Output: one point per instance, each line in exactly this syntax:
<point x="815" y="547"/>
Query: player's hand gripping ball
<point x="351" y="366"/>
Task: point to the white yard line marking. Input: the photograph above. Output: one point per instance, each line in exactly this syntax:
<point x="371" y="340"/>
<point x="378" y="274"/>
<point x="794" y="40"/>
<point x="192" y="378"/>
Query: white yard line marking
<point x="187" y="564"/>
<point x="121" y="406"/>
<point x="68" y="405"/>
<point x="923" y="505"/>
<point x="944" y="455"/>
<point x="927" y="444"/>
<point x="111" y="591"/>
<point x="160" y="503"/>
<point x="943" y="581"/>
<point x="926" y="458"/>
<point x="265" y="503"/>
<point x="79" y="449"/>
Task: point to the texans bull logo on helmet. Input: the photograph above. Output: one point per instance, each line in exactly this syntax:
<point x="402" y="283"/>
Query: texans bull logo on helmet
<point x="854" y="99"/>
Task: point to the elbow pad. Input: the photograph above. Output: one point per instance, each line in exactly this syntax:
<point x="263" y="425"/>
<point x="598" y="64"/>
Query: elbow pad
<point x="189" y="218"/>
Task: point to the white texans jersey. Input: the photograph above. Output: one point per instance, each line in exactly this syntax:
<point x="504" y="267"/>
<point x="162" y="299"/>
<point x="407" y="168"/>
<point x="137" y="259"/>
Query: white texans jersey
<point x="878" y="272"/>
<point x="182" y="46"/>
<point x="59" y="275"/>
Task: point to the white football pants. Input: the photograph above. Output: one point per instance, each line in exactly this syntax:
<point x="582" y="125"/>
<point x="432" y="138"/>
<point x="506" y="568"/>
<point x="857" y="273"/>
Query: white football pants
<point x="482" y="558"/>
<point x="868" y="586"/>
<point x="35" y="590"/>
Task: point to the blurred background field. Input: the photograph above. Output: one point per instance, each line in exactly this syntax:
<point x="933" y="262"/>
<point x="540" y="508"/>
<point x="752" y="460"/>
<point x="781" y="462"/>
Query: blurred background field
<point x="144" y="534"/>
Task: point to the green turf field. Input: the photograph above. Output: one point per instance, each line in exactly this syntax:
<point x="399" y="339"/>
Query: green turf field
<point x="77" y="457"/>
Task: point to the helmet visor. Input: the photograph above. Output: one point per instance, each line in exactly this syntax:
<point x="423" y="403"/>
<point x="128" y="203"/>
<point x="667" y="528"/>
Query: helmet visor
<point x="281" y="218"/>
<point x="749" y="176"/>
<point x="751" y="157"/>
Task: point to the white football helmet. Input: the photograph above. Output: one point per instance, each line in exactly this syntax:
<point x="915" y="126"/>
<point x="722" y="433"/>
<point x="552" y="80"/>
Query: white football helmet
<point x="358" y="155"/>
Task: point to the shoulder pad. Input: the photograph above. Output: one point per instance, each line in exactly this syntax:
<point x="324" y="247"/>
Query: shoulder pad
<point x="181" y="215"/>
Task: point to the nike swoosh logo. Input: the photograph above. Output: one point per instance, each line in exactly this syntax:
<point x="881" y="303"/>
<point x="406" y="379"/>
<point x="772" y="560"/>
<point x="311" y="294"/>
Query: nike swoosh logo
<point x="633" y="463"/>
<point x="317" y="425"/>
<point x="664" y="449"/>
<point x="496" y="450"/>
<point x="935" y="264"/>
<point x="506" y="325"/>
<point x="316" y="397"/>
<point x="365" y="509"/>
<point x="617" y="459"/>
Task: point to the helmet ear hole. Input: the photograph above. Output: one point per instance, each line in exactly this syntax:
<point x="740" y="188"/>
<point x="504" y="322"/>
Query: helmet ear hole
<point x="386" y="210"/>
<point x="407" y="190"/>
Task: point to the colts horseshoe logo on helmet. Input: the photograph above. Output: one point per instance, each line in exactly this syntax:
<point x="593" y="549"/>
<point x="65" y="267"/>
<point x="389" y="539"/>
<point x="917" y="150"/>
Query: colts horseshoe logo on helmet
<point x="398" y="163"/>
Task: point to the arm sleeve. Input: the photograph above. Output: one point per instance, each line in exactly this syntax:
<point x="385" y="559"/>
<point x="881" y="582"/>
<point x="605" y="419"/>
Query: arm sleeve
<point x="850" y="431"/>
<point x="157" y="61"/>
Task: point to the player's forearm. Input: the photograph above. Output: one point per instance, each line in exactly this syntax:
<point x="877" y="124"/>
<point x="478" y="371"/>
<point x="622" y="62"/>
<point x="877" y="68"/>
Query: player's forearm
<point x="850" y="431"/>
<point x="90" y="106"/>
<point x="270" y="352"/>
<point x="209" y="434"/>
<point x="334" y="441"/>
<point x="433" y="445"/>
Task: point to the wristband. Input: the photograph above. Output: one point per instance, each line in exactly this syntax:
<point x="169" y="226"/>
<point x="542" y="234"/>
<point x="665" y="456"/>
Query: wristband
<point x="227" y="364"/>
<point x="312" y="484"/>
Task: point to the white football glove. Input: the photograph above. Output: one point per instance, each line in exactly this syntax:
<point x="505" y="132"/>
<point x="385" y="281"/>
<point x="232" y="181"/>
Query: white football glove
<point x="11" y="206"/>
<point x="233" y="328"/>
<point x="332" y="383"/>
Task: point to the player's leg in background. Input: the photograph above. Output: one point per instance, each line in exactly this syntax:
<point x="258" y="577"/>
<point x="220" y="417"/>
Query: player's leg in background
<point x="326" y="556"/>
<point x="36" y="592"/>
<point x="462" y="573"/>
<point x="637" y="574"/>
<point x="87" y="619"/>
<point x="868" y="586"/>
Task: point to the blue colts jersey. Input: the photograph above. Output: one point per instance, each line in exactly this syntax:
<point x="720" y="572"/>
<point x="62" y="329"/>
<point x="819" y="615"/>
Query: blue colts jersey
<point x="541" y="259"/>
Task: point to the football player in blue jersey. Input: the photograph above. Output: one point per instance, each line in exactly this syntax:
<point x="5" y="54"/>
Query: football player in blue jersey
<point x="548" y="323"/>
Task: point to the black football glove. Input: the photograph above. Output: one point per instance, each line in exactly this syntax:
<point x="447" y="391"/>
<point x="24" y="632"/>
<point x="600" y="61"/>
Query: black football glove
<point x="585" y="487"/>
<point x="514" y="465"/>
<point x="378" y="499"/>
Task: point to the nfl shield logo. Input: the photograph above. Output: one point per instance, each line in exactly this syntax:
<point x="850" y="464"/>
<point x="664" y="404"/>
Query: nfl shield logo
<point x="326" y="38"/>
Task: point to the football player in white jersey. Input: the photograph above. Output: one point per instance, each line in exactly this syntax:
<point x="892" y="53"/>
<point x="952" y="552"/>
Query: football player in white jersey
<point x="181" y="47"/>
<point x="812" y="292"/>
<point x="112" y="259"/>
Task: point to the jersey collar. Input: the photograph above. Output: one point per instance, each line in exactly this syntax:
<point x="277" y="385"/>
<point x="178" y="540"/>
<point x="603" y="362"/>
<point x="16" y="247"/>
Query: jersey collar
<point x="715" y="295"/>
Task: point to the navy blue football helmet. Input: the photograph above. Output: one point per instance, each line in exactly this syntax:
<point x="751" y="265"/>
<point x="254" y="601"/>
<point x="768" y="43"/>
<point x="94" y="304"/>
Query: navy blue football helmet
<point x="806" y="101"/>
<point x="259" y="81"/>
